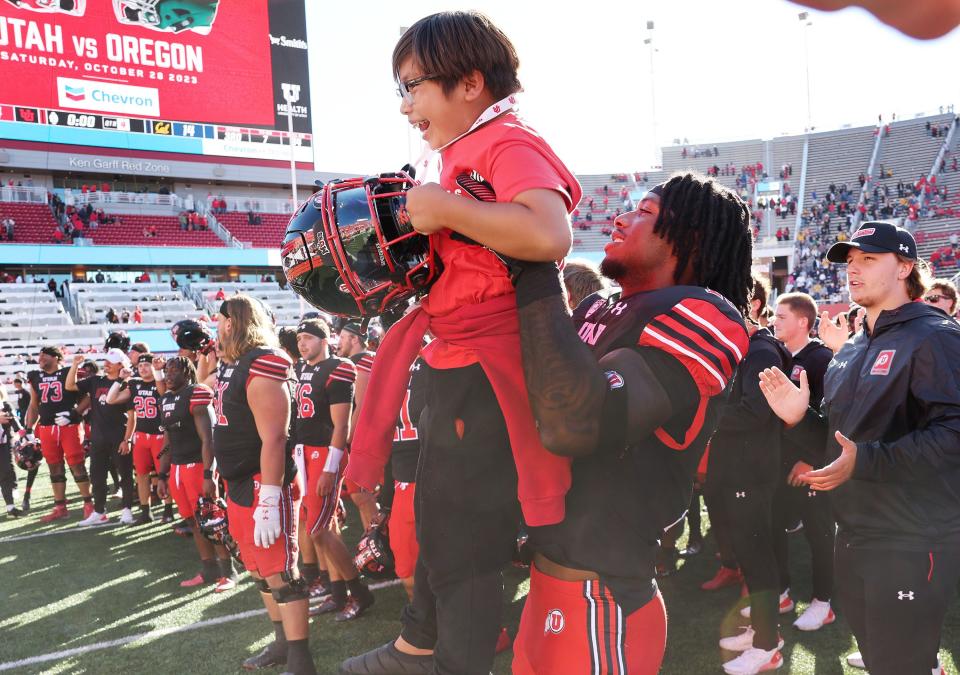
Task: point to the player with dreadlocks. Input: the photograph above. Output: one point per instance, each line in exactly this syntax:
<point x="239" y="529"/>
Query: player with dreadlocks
<point x="630" y="388"/>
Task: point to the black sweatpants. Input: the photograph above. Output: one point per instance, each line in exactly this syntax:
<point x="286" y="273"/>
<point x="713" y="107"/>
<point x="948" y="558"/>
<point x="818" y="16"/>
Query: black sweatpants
<point x="8" y="475"/>
<point x="750" y="510"/>
<point x="719" y="523"/>
<point x="467" y="522"/>
<point x="895" y="603"/>
<point x="819" y="529"/>
<point x="103" y="454"/>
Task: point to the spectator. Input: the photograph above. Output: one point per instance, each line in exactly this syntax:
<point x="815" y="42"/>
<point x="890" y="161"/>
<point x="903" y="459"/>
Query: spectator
<point x="52" y="285"/>
<point x="58" y="235"/>
<point x="99" y="277"/>
<point x="137" y="314"/>
<point x="8" y="225"/>
<point x="125" y="316"/>
<point x="221" y="296"/>
<point x="174" y="285"/>
<point x="111" y="316"/>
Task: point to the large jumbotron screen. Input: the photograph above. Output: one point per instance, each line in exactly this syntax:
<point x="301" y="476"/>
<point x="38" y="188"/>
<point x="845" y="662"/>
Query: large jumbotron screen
<point x="191" y="76"/>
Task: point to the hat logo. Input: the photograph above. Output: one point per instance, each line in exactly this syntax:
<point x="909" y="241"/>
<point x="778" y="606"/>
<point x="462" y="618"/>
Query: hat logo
<point x="863" y="232"/>
<point x="904" y="248"/>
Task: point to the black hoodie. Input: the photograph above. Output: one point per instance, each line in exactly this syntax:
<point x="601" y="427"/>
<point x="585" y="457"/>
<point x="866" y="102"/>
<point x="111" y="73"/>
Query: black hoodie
<point x="895" y="391"/>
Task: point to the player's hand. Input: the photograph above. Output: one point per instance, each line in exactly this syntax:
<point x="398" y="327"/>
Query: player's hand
<point x="5" y="418"/>
<point x="798" y="469"/>
<point x="266" y="517"/>
<point x="126" y="447"/>
<point x="62" y="418"/>
<point x="77" y="359"/>
<point x="858" y="319"/>
<point x="326" y="483"/>
<point x="838" y="471"/>
<point x="832" y="332"/>
<point x="125" y="374"/>
<point x="427" y="206"/>
<point x="787" y="401"/>
<point x="209" y="489"/>
<point x="159" y="363"/>
<point x="162" y="491"/>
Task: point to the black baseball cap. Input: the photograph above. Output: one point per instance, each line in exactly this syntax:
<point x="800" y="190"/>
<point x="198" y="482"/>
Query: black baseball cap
<point x="355" y="328"/>
<point x="876" y="237"/>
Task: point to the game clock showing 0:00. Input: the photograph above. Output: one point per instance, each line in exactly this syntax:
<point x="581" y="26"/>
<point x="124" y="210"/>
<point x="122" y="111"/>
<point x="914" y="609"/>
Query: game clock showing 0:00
<point x="78" y="120"/>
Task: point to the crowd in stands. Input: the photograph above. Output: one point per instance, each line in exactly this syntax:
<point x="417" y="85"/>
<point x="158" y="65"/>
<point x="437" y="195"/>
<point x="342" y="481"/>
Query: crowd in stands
<point x="700" y="152"/>
<point x="191" y="221"/>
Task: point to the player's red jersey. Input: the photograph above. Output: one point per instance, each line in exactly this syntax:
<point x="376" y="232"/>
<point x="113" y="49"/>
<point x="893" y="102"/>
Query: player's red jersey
<point x="52" y="394"/>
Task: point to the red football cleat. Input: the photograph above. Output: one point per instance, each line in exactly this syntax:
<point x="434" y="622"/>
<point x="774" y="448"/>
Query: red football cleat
<point x="59" y="512"/>
<point x="504" y="641"/>
<point x="87" y="509"/>
<point x="194" y="581"/>
<point x="723" y="578"/>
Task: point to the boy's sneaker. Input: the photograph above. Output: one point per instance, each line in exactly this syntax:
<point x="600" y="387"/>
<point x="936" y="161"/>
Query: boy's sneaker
<point x="197" y="580"/>
<point x="319" y="590"/>
<point x="856" y="660"/>
<point x="754" y="661"/>
<point x="94" y="519"/>
<point x="816" y="616"/>
<point x="725" y="576"/>
<point x="14" y="512"/>
<point x="59" y="512"/>
<point x="87" y="509"/>
<point x="126" y="517"/>
<point x="225" y="584"/>
<point x="785" y="607"/>
<point x="744" y="641"/>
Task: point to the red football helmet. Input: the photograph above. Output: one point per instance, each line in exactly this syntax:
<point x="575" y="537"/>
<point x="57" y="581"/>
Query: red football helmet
<point x="351" y="250"/>
<point x="74" y="7"/>
<point x="374" y="558"/>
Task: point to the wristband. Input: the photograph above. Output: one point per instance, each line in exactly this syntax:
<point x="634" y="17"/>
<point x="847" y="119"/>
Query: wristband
<point x="163" y="475"/>
<point x="207" y="474"/>
<point x="334" y="455"/>
<point x="537" y="281"/>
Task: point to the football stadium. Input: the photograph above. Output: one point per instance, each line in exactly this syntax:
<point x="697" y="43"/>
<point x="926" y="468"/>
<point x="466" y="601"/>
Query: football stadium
<point x="625" y="347"/>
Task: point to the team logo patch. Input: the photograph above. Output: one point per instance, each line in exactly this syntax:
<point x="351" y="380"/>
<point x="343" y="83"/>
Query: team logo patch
<point x="614" y="379"/>
<point x="884" y="360"/>
<point x="597" y="304"/>
<point x="795" y="375"/>
<point x="863" y="232"/>
<point x="554" y="623"/>
<point x="315" y="454"/>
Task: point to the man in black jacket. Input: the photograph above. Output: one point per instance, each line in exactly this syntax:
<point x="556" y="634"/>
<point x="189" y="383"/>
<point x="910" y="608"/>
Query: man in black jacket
<point x="745" y="467"/>
<point x="894" y="389"/>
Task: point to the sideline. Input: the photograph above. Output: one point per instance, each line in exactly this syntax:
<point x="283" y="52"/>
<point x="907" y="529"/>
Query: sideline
<point x="161" y="632"/>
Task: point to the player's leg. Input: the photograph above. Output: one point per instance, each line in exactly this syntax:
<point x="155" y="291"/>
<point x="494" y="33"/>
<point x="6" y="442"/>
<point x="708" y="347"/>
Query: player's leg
<point x="99" y="464"/>
<point x="907" y="597"/>
<point x="819" y="529"/>
<point x="729" y="572"/>
<point x="781" y="516"/>
<point x="143" y="467"/>
<point x="53" y="455"/>
<point x="403" y="534"/>
<point x="28" y="488"/>
<point x="71" y="440"/>
<point x="123" y="462"/>
<point x="366" y="504"/>
<point x="8" y="480"/>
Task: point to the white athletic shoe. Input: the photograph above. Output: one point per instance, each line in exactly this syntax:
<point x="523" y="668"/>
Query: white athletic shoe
<point x="939" y="670"/>
<point x="754" y="661"/>
<point x="744" y="641"/>
<point x="816" y="616"/>
<point x="126" y="517"/>
<point x="785" y="607"/>
<point x="856" y="660"/>
<point x="94" y="519"/>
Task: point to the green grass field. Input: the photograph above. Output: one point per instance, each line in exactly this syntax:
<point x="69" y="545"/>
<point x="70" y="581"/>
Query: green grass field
<point x="75" y="589"/>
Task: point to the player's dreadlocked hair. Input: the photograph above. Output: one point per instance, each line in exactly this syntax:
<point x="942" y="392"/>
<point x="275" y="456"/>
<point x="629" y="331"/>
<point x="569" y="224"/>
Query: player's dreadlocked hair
<point x="185" y="365"/>
<point x="709" y="228"/>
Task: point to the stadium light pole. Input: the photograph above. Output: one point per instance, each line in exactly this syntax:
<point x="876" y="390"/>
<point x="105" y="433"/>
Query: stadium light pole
<point x="653" y="94"/>
<point x="805" y="17"/>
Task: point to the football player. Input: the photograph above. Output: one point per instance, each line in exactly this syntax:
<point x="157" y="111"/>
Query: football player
<point x="10" y="429"/>
<point x="353" y="346"/>
<point x="631" y="389"/>
<point x="794" y="319"/>
<point x="53" y="408"/>
<point x="111" y="435"/>
<point x="324" y="395"/>
<point x="144" y="392"/>
<point x="252" y="404"/>
<point x="185" y="470"/>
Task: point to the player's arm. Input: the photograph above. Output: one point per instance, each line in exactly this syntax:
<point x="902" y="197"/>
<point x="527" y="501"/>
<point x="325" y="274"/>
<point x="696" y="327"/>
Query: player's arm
<point x="203" y="420"/>
<point x="71" y="382"/>
<point x="565" y="385"/>
<point x="163" y="467"/>
<point x="752" y="410"/>
<point x="533" y="226"/>
<point x="340" y="414"/>
<point x="33" y="410"/>
<point x="119" y="392"/>
<point x="270" y="404"/>
<point x="359" y="392"/>
<point x="128" y="432"/>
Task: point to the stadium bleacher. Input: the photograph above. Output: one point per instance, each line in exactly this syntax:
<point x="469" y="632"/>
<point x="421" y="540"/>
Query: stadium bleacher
<point x="268" y="234"/>
<point x="34" y="222"/>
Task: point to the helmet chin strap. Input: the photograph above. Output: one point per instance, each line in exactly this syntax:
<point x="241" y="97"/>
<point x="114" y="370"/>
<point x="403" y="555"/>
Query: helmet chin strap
<point x="429" y="164"/>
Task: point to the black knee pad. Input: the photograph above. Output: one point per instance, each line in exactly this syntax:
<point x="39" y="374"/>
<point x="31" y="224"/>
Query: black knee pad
<point x="58" y="478"/>
<point x="293" y="589"/>
<point x="263" y="585"/>
<point x="79" y="473"/>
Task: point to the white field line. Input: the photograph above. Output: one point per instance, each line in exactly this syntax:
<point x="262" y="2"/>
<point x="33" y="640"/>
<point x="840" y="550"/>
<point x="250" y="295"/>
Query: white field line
<point x="151" y="634"/>
<point x="71" y="530"/>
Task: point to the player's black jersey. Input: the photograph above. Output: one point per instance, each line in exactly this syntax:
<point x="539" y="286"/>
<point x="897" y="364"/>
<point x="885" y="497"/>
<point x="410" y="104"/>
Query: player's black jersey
<point x="622" y="499"/>
<point x="317" y="388"/>
<point x="146" y="403"/>
<point x="236" y="442"/>
<point x="108" y="421"/>
<point x="406" y="437"/>
<point x="363" y="361"/>
<point x="178" y="422"/>
<point x="52" y="394"/>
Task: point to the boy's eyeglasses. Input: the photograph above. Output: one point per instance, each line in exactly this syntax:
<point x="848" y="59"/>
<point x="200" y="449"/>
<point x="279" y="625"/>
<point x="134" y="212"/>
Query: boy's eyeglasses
<point x="935" y="297"/>
<point x="404" y="88"/>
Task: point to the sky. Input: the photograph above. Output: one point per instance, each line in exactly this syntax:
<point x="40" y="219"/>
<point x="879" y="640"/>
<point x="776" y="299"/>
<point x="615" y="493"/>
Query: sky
<point x="722" y="70"/>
